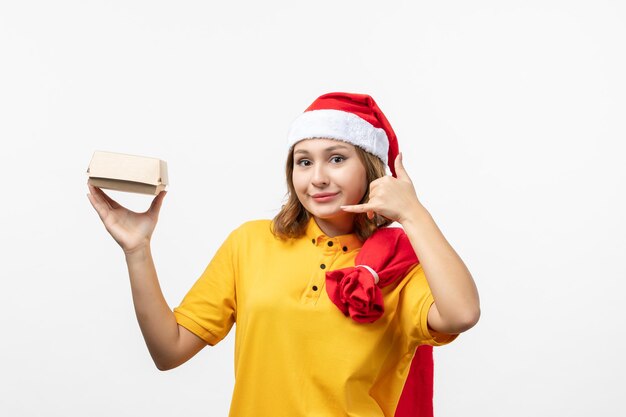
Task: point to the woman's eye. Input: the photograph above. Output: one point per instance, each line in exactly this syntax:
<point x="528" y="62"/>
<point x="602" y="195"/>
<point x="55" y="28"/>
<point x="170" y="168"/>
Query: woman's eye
<point x="303" y="162"/>
<point x="337" y="159"/>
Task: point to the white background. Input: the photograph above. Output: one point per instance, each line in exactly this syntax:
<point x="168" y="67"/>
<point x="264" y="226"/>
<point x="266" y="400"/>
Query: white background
<point x="510" y="116"/>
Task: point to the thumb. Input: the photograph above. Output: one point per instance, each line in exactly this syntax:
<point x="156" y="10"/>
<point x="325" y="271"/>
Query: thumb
<point x="401" y="173"/>
<point x="155" y="207"/>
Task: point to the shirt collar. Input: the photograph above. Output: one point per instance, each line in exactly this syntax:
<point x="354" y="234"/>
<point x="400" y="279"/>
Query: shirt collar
<point x="318" y="237"/>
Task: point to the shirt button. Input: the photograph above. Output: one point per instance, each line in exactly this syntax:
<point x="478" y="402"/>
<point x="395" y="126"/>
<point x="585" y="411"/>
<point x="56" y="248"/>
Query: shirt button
<point x="345" y="248"/>
<point x="330" y="243"/>
<point x="315" y="288"/>
<point x="322" y="266"/>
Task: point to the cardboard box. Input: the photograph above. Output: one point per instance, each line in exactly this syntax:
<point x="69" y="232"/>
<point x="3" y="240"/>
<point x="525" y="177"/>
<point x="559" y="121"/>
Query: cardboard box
<point x="130" y="173"/>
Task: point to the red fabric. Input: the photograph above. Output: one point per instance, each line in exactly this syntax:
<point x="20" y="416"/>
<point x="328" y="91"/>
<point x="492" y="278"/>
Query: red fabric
<point x="388" y="252"/>
<point x="416" y="399"/>
<point x="366" y="108"/>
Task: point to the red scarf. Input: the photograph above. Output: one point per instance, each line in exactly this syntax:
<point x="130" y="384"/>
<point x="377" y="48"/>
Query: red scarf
<point x="385" y="257"/>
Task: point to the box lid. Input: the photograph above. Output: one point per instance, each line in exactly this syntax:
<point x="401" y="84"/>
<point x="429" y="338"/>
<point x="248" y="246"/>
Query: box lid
<point x="126" y="167"/>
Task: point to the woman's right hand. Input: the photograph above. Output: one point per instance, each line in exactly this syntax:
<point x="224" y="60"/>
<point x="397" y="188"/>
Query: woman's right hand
<point x="130" y="230"/>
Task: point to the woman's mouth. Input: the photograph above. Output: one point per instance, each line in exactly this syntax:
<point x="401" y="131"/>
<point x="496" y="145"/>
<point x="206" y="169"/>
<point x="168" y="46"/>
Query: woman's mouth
<point x="324" y="197"/>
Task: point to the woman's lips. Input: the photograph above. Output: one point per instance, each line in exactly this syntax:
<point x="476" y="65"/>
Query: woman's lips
<point x="323" y="197"/>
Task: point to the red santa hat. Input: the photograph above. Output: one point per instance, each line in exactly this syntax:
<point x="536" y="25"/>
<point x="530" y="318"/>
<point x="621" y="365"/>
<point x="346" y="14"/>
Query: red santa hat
<point x="349" y="117"/>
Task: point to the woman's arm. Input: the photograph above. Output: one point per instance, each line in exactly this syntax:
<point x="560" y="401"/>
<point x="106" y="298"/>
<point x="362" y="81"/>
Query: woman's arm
<point x="168" y="343"/>
<point x="456" y="307"/>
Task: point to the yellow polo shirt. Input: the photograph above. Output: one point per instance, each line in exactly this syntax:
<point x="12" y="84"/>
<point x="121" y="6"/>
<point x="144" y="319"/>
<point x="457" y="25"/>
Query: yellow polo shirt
<point x="296" y="354"/>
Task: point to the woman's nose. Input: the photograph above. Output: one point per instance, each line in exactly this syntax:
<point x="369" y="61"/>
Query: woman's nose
<point x="320" y="176"/>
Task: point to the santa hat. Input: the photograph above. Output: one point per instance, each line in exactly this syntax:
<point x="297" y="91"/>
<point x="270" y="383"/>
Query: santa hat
<point x="352" y="118"/>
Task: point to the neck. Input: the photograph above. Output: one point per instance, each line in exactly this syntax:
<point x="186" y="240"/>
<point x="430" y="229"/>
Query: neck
<point x="336" y="227"/>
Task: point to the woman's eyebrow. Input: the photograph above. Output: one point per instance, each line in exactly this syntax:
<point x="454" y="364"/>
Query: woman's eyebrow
<point x="329" y="149"/>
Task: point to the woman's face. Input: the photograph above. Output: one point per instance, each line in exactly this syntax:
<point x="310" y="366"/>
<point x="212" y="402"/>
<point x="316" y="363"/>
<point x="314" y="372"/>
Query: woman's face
<point x="327" y="174"/>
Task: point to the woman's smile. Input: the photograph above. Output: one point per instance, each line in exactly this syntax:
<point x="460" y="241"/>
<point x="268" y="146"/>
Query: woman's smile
<point x="324" y="197"/>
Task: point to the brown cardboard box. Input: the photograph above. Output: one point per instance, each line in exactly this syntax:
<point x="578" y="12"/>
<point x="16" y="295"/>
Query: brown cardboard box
<point x="131" y="173"/>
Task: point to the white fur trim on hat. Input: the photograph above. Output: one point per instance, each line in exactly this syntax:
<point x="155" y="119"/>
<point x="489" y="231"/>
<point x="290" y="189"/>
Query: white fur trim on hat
<point x="339" y="125"/>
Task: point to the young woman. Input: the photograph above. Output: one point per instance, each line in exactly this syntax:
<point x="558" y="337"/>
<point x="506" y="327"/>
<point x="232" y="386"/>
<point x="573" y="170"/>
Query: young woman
<point x="331" y="305"/>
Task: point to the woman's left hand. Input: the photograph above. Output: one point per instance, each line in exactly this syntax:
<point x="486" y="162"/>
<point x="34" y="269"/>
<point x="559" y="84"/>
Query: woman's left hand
<point x="393" y="198"/>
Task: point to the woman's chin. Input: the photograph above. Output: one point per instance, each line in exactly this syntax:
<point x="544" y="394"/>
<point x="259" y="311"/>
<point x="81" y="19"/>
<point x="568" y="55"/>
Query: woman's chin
<point x="332" y="215"/>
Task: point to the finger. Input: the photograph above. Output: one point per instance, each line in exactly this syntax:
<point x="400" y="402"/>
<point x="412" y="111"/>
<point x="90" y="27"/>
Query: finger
<point x="157" y="202"/>
<point x="98" y="206"/>
<point x="112" y="203"/>
<point x="97" y="194"/>
<point x="370" y="215"/>
<point x="358" y="208"/>
<point x="400" y="171"/>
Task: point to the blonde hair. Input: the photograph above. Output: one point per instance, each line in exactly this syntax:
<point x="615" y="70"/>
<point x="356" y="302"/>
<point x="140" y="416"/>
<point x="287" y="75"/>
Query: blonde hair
<point x="292" y="220"/>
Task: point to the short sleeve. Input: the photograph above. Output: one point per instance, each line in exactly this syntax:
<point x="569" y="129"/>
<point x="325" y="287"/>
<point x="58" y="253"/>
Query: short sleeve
<point x="209" y="308"/>
<point x="414" y="304"/>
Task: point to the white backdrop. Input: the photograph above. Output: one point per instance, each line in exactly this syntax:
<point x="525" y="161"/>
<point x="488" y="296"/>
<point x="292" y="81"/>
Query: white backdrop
<point x="510" y="116"/>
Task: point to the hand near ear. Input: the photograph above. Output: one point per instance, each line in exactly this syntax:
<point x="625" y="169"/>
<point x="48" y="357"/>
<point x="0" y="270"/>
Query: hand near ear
<point x="393" y="198"/>
<point x="129" y="229"/>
